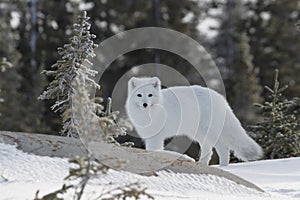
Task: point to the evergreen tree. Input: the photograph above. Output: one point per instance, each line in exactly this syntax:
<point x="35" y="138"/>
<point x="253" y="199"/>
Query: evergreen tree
<point x="294" y="108"/>
<point x="246" y="86"/>
<point x="42" y="27"/>
<point x="279" y="133"/>
<point x="10" y="81"/>
<point x="236" y="62"/>
<point x="275" y="41"/>
<point x="1" y="100"/>
<point x="73" y="62"/>
<point x="4" y="64"/>
<point x="26" y="65"/>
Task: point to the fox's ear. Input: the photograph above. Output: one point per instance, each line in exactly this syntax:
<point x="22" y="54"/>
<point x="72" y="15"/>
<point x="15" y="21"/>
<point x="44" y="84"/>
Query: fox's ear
<point x="132" y="83"/>
<point x="156" y="82"/>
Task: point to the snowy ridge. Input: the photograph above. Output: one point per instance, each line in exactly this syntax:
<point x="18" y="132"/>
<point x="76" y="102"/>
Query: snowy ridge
<point x="23" y="174"/>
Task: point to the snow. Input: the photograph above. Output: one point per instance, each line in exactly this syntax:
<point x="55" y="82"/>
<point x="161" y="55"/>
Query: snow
<point x="15" y="19"/>
<point x="281" y="176"/>
<point x="208" y="27"/>
<point x="22" y="174"/>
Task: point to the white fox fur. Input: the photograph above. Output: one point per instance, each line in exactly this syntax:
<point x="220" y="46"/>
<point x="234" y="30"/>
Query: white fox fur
<point x="197" y="112"/>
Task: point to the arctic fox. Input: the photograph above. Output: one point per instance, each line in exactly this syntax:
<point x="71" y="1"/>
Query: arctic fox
<point x="198" y="112"/>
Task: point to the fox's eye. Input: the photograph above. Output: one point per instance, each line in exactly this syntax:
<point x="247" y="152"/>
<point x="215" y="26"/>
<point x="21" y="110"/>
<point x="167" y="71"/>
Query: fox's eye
<point x="139" y="95"/>
<point x="150" y="95"/>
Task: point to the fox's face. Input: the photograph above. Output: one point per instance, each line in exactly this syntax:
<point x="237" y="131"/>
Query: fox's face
<point x="144" y="92"/>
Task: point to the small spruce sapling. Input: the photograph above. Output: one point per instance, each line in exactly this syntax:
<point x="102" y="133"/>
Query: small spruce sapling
<point x="110" y="126"/>
<point x="279" y="133"/>
<point x="74" y="61"/>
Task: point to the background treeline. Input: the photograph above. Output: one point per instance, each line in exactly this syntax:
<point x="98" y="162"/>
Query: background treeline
<point x="247" y="39"/>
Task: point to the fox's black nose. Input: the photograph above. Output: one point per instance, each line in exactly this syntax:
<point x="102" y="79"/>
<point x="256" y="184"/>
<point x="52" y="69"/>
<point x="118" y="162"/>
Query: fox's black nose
<point x="145" y="105"/>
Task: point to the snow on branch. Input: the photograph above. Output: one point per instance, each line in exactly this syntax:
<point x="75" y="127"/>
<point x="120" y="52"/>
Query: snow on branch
<point x="74" y="62"/>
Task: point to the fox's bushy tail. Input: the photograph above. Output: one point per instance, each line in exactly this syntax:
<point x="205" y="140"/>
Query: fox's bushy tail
<point x="236" y="138"/>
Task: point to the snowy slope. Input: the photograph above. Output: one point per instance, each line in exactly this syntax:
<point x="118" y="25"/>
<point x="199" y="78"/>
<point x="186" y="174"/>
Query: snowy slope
<point x="21" y="175"/>
<point x="276" y="176"/>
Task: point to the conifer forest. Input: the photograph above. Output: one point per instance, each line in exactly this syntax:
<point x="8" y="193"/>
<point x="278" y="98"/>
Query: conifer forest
<point x="255" y="45"/>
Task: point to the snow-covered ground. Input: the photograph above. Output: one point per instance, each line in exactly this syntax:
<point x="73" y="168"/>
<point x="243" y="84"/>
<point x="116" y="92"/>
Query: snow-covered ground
<point x="21" y="175"/>
<point x="281" y="176"/>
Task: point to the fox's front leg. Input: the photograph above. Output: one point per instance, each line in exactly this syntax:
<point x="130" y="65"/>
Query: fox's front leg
<point x="154" y="143"/>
